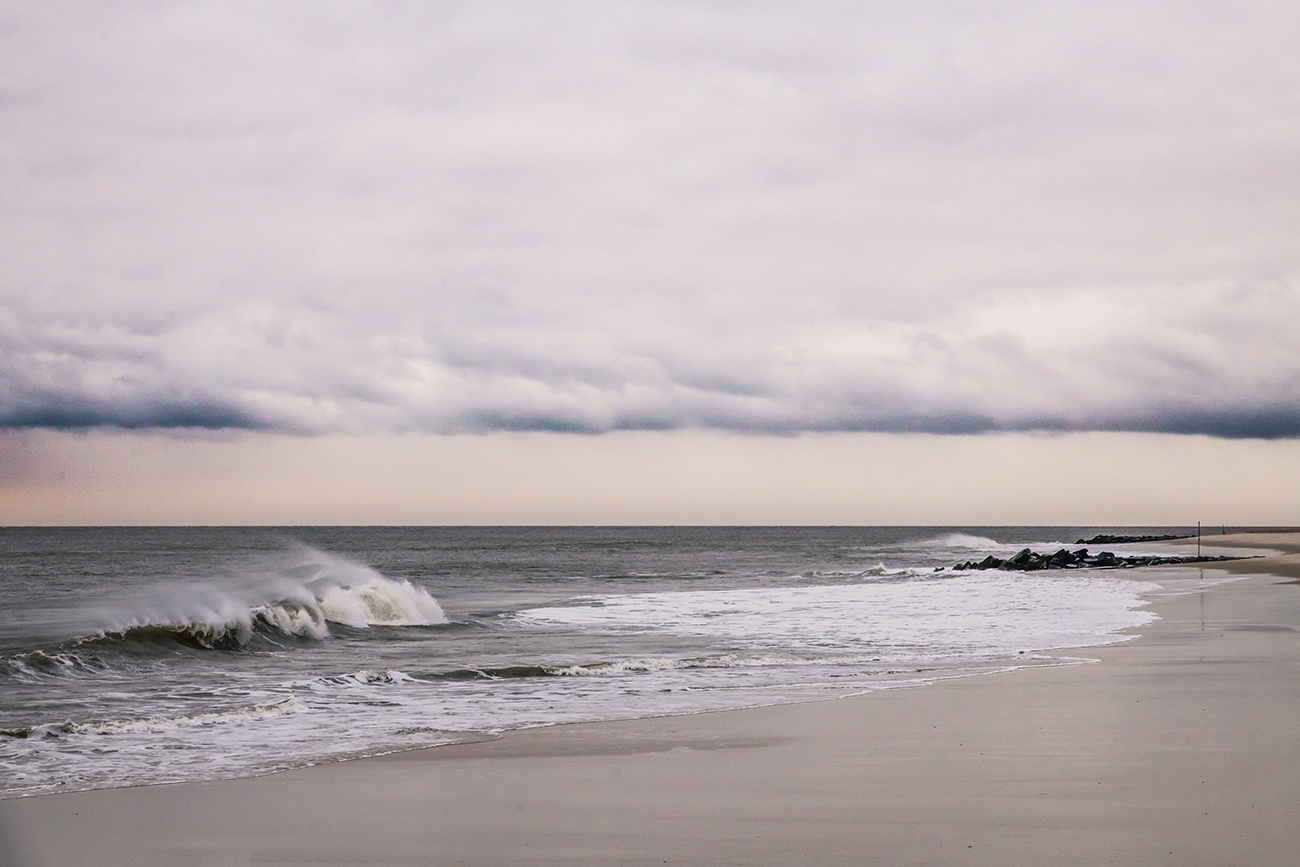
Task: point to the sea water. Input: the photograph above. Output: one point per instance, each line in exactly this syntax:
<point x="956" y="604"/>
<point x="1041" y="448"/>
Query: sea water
<point x="134" y="656"/>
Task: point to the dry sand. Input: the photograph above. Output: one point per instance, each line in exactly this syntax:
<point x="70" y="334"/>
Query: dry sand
<point x="1181" y="747"/>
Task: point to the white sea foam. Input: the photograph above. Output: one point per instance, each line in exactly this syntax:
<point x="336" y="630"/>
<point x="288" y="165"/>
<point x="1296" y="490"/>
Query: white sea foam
<point x="964" y="615"/>
<point x="162" y="724"/>
<point x="361" y="678"/>
<point x="380" y="602"/>
<point x="157" y="724"/>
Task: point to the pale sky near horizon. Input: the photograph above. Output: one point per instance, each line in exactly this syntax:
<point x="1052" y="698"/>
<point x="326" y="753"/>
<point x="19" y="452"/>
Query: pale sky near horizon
<point x="649" y="262"/>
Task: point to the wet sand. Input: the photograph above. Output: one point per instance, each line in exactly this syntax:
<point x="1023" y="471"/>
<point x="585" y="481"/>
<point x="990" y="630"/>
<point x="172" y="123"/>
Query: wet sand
<point x="1180" y="747"/>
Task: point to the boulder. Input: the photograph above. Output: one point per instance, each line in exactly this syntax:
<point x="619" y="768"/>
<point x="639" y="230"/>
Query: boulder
<point x="1063" y="558"/>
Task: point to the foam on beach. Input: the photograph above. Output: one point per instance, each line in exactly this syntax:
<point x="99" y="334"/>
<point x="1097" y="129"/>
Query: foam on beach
<point x="158" y="724"/>
<point x="956" y="616"/>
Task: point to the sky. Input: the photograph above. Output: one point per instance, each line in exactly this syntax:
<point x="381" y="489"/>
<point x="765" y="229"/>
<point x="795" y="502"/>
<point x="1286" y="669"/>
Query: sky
<point x="649" y="262"/>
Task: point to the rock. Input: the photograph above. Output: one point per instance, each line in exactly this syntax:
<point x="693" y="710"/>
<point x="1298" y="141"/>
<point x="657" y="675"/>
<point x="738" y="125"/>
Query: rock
<point x="1028" y="560"/>
<point x="1107" y="539"/>
<point x="1063" y="558"/>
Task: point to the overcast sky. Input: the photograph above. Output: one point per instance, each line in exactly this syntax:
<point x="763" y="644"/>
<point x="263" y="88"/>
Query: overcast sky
<point x="248" y="227"/>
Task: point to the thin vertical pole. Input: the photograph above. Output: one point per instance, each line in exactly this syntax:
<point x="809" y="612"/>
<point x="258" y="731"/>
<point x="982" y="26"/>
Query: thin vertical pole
<point x="1201" y="583"/>
<point x="1198" y="538"/>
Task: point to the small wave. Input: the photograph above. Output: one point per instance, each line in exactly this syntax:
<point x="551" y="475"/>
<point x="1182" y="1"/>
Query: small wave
<point x="877" y="571"/>
<point x="363" y="678"/>
<point x="154" y="724"/>
<point x="637" y="666"/>
<point x="39" y="664"/>
<point x="502" y="672"/>
<point x="962" y="540"/>
<point x="726" y="660"/>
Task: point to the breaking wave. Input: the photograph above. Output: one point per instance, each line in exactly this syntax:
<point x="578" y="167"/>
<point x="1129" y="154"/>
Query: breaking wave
<point x="962" y="540"/>
<point x="300" y="600"/>
<point x="303" y="612"/>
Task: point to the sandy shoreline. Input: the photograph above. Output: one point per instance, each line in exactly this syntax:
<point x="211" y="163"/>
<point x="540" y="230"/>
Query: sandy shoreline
<point x="1179" y="748"/>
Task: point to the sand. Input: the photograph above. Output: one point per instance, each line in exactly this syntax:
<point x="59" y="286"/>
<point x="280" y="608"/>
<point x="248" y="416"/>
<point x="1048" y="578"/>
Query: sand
<point x="1181" y="747"/>
<point x="1284" y="547"/>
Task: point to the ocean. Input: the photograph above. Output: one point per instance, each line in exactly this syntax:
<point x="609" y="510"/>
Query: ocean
<point x="133" y="656"/>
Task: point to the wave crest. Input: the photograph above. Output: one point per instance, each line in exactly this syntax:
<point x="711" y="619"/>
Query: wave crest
<point x="35" y="665"/>
<point x="385" y="677"/>
<point x="962" y="540"/>
<point x="298" y="602"/>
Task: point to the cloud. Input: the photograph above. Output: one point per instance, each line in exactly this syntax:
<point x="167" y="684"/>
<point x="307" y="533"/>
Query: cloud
<point x="744" y="217"/>
<point x="1093" y="361"/>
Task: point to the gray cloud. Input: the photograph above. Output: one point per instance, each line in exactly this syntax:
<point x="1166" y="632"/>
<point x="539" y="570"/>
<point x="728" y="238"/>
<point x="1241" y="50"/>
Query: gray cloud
<point x="594" y="217"/>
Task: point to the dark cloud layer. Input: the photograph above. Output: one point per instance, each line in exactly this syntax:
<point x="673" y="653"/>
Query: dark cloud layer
<point x="593" y="217"/>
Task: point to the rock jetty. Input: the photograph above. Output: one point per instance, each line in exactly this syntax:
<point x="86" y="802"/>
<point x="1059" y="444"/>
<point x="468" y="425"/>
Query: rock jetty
<point x="1106" y="539"/>
<point x="1032" y="561"/>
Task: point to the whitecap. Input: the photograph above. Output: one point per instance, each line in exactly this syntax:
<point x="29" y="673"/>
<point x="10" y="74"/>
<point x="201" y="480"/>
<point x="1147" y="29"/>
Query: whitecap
<point x="962" y="540"/>
<point x="299" y="600"/>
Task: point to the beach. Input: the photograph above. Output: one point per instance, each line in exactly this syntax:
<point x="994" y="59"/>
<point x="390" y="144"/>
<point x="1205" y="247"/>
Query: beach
<point x="1178" y="747"/>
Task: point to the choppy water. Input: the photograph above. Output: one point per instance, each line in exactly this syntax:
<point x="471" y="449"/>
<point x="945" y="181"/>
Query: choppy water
<point x="135" y="655"/>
